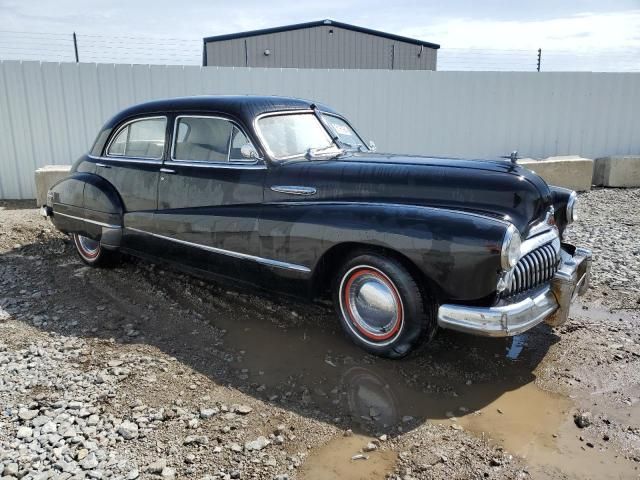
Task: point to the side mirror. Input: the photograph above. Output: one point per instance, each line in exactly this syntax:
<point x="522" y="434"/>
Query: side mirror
<point x="372" y="146"/>
<point x="249" y="151"/>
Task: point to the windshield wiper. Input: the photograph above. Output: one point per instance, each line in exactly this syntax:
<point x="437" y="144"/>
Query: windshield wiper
<point x="331" y="150"/>
<point x="342" y="144"/>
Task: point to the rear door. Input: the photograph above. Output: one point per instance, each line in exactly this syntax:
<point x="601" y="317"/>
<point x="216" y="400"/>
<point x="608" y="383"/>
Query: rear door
<point x="209" y="198"/>
<point x="131" y="162"/>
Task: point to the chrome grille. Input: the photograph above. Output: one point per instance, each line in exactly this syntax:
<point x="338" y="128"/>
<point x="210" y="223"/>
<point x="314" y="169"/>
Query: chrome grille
<point x="535" y="268"/>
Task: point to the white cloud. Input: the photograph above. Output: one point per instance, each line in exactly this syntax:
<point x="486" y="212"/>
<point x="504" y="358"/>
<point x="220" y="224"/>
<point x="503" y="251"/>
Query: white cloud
<point x="578" y="32"/>
<point x="600" y="38"/>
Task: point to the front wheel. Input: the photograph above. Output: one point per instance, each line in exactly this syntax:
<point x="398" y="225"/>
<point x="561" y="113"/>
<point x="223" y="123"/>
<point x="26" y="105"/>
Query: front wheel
<point x="381" y="306"/>
<point x="91" y="252"/>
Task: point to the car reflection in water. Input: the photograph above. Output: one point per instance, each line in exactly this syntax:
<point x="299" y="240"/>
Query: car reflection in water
<point x="383" y="400"/>
<point x="312" y="369"/>
<point x="369" y="397"/>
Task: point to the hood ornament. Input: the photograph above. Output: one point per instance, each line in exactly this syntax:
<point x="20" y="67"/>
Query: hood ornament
<point x="513" y="157"/>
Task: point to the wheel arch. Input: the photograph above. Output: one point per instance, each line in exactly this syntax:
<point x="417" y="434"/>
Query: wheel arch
<point x="330" y="262"/>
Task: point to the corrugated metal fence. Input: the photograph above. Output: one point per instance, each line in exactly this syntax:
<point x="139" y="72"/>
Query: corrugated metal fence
<point x="50" y="112"/>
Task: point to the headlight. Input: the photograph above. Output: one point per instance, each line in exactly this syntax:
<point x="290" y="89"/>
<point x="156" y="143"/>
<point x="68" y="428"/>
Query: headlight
<point x="510" y="253"/>
<point x="572" y="214"/>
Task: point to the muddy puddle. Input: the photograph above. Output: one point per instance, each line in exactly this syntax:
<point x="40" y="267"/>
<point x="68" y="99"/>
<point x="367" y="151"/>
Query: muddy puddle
<point x="485" y="386"/>
<point x="538" y="426"/>
<point x="343" y="458"/>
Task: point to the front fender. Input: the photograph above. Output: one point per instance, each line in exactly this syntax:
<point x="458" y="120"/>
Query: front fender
<point x="457" y="251"/>
<point x="560" y="197"/>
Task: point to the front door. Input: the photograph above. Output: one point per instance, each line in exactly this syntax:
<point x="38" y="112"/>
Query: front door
<point x="209" y="198"/>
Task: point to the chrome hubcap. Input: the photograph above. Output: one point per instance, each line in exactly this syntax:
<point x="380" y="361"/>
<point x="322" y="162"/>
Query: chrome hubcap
<point x="90" y="246"/>
<point x="373" y="304"/>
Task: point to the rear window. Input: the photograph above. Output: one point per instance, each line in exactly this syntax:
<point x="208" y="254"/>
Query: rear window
<point x="143" y="138"/>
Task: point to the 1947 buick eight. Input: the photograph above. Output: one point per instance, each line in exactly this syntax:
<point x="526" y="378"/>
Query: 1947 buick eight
<point x="283" y="194"/>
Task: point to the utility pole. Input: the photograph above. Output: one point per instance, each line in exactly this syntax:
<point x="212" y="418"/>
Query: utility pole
<point x="539" y="58"/>
<point x="75" y="47"/>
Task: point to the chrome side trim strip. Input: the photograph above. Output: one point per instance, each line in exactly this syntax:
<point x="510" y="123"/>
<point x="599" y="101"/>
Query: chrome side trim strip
<point x="95" y="222"/>
<point x="294" y="190"/>
<point x="243" y="256"/>
<point x="225" y="165"/>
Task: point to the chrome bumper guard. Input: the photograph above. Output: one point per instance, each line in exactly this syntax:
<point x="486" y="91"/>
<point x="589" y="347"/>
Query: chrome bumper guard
<point x="551" y="304"/>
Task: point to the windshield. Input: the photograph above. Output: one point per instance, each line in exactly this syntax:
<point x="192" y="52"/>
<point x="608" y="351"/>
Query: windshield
<point x="343" y="131"/>
<point x="294" y="134"/>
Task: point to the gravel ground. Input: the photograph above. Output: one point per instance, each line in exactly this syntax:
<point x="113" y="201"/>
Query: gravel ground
<point x="609" y="225"/>
<point x="142" y="372"/>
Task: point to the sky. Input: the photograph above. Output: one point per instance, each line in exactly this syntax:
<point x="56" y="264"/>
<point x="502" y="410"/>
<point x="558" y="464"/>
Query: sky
<point x="491" y="34"/>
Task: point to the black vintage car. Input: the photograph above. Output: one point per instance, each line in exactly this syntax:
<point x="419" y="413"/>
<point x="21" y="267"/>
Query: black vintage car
<point x="283" y="194"/>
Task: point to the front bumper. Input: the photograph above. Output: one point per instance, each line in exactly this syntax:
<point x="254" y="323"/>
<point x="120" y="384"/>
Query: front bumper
<point x="550" y="303"/>
<point x="46" y="211"/>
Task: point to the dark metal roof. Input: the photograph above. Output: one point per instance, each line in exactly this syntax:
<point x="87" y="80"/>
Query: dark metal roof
<point x="299" y="26"/>
<point x="243" y="108"/>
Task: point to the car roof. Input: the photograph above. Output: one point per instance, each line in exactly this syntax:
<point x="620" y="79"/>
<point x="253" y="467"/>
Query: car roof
<point x="241" y="107"/>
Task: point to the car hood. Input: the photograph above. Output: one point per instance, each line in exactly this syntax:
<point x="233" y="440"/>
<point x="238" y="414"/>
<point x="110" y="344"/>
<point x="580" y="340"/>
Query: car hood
<point x="495" y="188"/>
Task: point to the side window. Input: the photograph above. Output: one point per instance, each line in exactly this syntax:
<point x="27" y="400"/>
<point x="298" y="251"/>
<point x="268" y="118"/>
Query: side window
<point x="202" y="139"/>
<point x="238" y="139"/>
<point x="183" y="131"/>
<point x="117" y="147"/>
<point x="140" y="139"/>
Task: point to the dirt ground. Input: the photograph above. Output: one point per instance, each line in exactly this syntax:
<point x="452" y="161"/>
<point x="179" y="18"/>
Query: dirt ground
<point x="157" y="374"/>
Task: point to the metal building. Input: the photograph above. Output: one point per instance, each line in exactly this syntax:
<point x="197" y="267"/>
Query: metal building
<point x="321" y="44"/>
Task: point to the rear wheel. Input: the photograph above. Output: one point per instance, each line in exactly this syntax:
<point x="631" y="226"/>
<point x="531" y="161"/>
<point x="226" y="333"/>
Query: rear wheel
<point x="91" y="252"/>
<point x="381" y="306"/>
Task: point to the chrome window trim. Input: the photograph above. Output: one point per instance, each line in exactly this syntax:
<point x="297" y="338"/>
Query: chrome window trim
<point x="126" y="124"/>
<point x="230" y="253"/>
<point x="223" y="165"/>
<point x="265" y="145"/>
<point x="197" y="163"/>
<point x="128" y="159"/>
<point x="95" y="222"/>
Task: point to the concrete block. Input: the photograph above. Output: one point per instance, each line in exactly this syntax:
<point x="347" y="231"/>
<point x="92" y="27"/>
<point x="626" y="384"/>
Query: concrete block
<point x="617" y="171"/>
<point x="45" y="177"/>
<point x="572" y="171"/>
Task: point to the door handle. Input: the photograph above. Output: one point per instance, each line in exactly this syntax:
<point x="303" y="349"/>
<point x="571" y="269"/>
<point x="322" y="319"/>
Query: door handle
<point x="102" y="165"/>
<point x="167" y="170"/>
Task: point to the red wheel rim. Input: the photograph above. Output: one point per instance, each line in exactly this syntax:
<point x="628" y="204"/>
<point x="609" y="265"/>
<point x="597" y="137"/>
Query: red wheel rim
<point x="88" y="248"/>
<point x="372" y="303"/>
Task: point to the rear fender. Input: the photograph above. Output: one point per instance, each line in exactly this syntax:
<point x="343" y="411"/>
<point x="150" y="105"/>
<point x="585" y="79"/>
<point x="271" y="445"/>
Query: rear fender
<point x="87" y="204"/>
